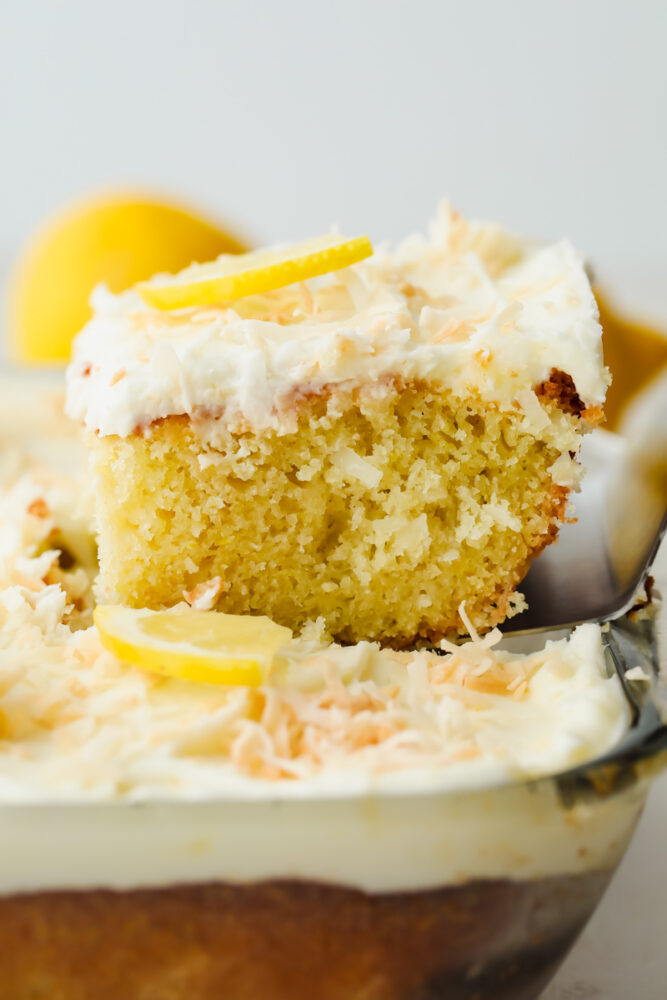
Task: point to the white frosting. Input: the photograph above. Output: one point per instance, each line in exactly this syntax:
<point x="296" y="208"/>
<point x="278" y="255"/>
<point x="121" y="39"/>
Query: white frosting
<point x="33" y="426"/>
<point x="379" y="843"/>
<point x="469" y="307"/>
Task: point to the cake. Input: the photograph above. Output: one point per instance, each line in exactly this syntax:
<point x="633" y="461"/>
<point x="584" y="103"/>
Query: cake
<point x="372" y="446"/>
<point x="383" y="824"/>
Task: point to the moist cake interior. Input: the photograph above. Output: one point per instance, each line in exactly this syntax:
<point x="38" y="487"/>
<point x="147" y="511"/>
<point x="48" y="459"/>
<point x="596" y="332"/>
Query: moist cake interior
<point x="381" y="509"/>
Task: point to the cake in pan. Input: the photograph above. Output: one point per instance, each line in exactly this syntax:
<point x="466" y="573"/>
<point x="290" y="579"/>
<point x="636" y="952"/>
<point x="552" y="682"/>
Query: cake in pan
<point x="365" y="822"/>
<point x="372" y="446"/>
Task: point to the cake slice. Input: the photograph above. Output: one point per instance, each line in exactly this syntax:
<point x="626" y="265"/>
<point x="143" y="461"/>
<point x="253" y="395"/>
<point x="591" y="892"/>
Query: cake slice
<point x="372" y="446"/>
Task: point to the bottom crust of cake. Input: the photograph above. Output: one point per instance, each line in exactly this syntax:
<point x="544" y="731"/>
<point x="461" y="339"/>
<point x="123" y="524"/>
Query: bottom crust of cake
<point x="287" y="940"/>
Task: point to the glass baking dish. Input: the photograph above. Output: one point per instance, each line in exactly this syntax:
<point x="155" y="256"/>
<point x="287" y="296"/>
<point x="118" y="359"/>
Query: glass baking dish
<point x="464" y="894"/>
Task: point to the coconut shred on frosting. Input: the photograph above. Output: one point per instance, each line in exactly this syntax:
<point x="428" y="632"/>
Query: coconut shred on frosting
<point x="470" y="307"/>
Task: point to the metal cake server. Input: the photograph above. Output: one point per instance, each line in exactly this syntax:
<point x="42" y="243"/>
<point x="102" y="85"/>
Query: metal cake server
<point x="594" y="570"/>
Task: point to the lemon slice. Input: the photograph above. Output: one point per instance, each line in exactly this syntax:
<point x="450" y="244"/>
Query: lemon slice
<point x="233" y="277"/>
<point x="204" y="646"/>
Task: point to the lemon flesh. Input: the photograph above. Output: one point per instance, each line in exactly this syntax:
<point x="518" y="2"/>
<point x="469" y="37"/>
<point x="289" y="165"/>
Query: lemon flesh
<point x="234" y="277"/>
<point x="117" y="238"/>
<point x="203" y="646"/>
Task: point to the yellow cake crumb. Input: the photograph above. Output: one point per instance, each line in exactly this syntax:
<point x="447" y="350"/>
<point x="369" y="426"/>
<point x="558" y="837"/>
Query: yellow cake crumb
<point x="381" y="509"/>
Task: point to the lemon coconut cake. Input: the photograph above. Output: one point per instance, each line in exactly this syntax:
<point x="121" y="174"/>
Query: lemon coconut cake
<point x="372" y="445"/>
<point x="353" y="816"/>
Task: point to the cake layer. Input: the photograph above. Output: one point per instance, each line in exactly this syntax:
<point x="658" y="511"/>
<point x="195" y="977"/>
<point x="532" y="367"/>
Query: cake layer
<point x="380" y="509"/>
<point x="470" y="307"/>
<point x="293" y="941"/>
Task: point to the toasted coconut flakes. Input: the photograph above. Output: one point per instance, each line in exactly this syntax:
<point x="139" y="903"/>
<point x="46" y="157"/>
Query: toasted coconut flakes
<point x="204" y="596"/>
<point x="467" y="752"/>
<point x="39" y="508"/>
<point x="483" y="667"/>
<point x="76" y="688"/>
<point x="508" y="317"/>
<point x="453" y="331"/>
<point x="593" y="414"/>
<point x="483" y="357"/>
<point x="250" y="746"/>
<point x="307" y="299"/>
<point x="472" y="631"/>
<point x="442" y="672"/>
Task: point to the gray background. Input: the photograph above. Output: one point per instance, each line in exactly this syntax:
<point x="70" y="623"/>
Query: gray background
<point x="284" y="117"/>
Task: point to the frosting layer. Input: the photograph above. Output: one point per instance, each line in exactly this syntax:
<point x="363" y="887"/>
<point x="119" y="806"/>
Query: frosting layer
<point x="470" y="307"/>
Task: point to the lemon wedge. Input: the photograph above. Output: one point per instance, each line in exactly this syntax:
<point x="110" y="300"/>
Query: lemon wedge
<point x="115" y="237"/>
<point x="204" y="646"/>
<point x="233" y="277"/>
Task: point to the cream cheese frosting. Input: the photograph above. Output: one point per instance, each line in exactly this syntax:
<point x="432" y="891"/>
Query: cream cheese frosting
<point x="470" y="307"/>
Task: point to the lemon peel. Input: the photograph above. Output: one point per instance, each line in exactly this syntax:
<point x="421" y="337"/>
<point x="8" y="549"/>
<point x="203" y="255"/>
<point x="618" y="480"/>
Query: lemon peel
<point x="234" y="277"/>
<point x="202" y="646"/>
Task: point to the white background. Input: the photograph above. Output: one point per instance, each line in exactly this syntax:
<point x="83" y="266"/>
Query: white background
<point x="284" y="117"/>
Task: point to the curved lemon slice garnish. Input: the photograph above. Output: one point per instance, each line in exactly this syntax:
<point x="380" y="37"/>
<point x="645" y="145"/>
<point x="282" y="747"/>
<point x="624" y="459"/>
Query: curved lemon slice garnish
<point x="204" y="646"/>
<point x="233" y="277"/>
